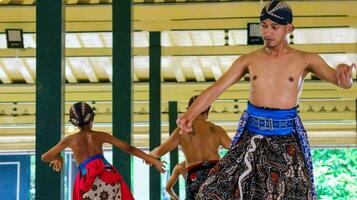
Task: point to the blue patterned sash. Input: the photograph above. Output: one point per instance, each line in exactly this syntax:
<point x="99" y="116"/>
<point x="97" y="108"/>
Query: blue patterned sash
<point x="265" y="122"/>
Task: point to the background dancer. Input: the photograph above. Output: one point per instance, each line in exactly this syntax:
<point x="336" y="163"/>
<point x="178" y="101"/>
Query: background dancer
<point x="96" y="178"/>
<point x="200" y="147"/>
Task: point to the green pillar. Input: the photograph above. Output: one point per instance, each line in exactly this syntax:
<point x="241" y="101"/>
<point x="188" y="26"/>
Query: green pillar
<point x="50" y="34"/>
<point x="155" y="108"/>
<point x="174" y="156"/>
<point x="122" y="83"/>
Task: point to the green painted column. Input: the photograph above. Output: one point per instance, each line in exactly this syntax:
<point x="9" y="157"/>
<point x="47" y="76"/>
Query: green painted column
<point x="50" y="78"/>
<point x="122" y="83"/>
<point x="155" y="108"/>
<point x="174" y="156"/>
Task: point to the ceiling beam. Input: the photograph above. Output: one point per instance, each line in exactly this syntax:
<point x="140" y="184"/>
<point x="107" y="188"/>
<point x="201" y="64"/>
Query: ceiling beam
<point x="177" y="68"/>
<point x="243" y="49"/>
<point x="159" y="17"/>
<point x="238" y="9"/>
<point x="109" y="69"/>
<point x="72" y="1"/>
<point x="215" y="67"/>
<point x="170" y="39"/>
<point x="105" y="63"/>
<point x="197" y="70"/>
<point x="239" y="23"/>
<point x="212" y="9"/>
<point x="28" y="2"/>
<point x="102" y="39"/>
<point x="171" y="91"/>
<point x="186" y="51"/>
<point x="134" y="76"/>
<point x="26" y="72"/>
<point x="89" y="70"/>
<point x="80" y="41"/>
<point x="202" y="24"/>
<point x="71" y="78"/>
<point x="94" y="1"/>
<point x="4" y="77"/>
<point x="4" y="2"/>
<point x="192" y="41"/>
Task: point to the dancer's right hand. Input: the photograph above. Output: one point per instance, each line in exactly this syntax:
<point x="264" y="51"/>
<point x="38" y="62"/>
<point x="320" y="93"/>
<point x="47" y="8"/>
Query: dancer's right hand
<point x="57" y="164"/>
<point x="184" y="124"/>
<point x="174" y="198"/>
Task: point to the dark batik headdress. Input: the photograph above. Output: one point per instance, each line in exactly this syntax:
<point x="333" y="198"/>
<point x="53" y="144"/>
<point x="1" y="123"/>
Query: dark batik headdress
<point x="278" y="11"/>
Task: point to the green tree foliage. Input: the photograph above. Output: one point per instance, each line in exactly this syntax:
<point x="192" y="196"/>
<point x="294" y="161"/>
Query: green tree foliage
<point x="335" y="172"/>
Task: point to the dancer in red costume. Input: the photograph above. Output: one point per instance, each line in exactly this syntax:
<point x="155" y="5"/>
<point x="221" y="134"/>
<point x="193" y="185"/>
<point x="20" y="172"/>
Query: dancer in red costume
<point x="97" y="178"/>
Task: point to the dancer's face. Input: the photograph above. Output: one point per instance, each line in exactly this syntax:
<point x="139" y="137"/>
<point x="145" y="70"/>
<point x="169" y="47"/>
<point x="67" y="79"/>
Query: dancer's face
<point x="273" y="33"/>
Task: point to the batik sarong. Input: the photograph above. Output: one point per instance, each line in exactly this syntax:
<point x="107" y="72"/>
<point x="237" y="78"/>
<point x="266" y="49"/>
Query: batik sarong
<point x="269" y="159"/>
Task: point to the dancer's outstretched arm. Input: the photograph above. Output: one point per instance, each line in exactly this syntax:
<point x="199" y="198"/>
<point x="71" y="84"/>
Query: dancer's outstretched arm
<point x="159" y="165"/>
<point x="171" y="143"/>
<point x="341" y="76"/>
<point x="238" y="69"/>
<point x="53" y="155"/>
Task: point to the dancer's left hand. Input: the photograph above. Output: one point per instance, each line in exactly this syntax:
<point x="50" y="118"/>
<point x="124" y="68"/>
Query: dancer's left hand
<point x="184" y="124"/>
<point x="344" y="75"/>
<point x="159" y="165"/>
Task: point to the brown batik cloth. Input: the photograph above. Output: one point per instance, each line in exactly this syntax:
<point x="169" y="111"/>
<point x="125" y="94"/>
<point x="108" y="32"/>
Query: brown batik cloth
<point x="196" y="175"/>
<point x="103" y="191"/>
<point x="259" y="168"/>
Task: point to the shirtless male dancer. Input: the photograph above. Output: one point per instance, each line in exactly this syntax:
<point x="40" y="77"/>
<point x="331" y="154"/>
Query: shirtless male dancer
<point x="200" y="147"/>
<point x="269" y="157"/>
